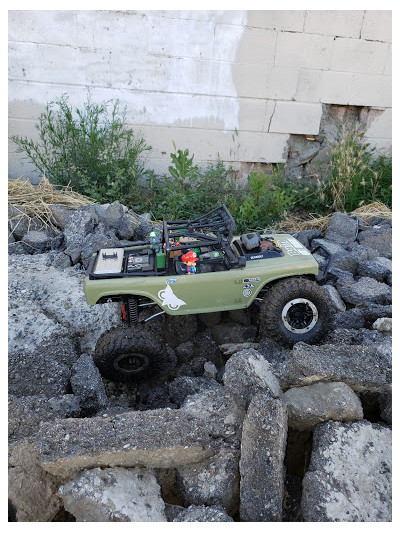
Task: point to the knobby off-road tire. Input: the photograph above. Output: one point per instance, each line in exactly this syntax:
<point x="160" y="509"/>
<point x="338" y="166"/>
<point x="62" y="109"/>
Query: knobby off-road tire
<point x="296" y="309"/>
<point x="129" y="355"/>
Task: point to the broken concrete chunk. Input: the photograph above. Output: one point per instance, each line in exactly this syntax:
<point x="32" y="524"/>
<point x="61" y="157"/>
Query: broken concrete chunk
<point x="31" y="490"/>
<point x="310" y="405"/>
<point x="337" y="302"/>
<point x="214" y="481"/>
<point x="365" y="290"/>
<point x="361" y="367"/>
<point x="88" y="386"/>
<point x="114" y="495"/>
<point x="342" y="229"/>
<point x="26" y="412"/>
<point x="161" y="438"/>
<point x="248" y="372"/>
<point x="219" y="411"/>
<point x="262" y="460"/>
<point x="383" y="324"/>
<point x="202" y="513"/>
<point x="349" y="478"/>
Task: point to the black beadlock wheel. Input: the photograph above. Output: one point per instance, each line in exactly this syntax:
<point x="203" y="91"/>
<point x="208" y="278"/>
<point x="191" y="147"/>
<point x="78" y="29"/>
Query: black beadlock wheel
<point x="296" y="309"/>
<point x="130" y="355"/>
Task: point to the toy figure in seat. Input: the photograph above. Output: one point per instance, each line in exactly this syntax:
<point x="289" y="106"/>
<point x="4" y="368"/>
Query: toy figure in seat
<point x="189" y="259"/>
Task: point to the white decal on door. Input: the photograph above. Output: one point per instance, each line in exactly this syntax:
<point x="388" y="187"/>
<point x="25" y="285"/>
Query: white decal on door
<point x="169" y="299"/>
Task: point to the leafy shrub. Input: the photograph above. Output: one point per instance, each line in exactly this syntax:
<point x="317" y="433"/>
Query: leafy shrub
<point x="262" y="201"/>
<point x="91" y="149"/>
<point x="188" y="191"/>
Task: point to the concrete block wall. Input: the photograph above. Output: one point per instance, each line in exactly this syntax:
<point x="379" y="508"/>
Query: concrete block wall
<point x="225" y="84"/>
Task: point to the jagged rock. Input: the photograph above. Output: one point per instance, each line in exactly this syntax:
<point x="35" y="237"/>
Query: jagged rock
<point x="162" y="438"/>
<point x="41" y="354"/>
<point x="87" y="385"/>
<point x="134" y="226"/>
<point x="241" y="316"/>
<point x="209" y="319"/>
<point x="312" y="404"/>
<point x="60" y="215"/>
<point x="349" y="478"/>
<point x="361" y="367"/>
<point x="337" y="302"/>
<point x="197" y="365"/>
<point x="383" y="324"/>
<point x="262" y="460"/>
<point x="307" y="235"/>
<point x="347" y="262"/>
<point x="275" y="354"/>
<point x="114" y="495"/>
<point x="219" y="411"/>
<point x="205" y="346"/>
<point x="113" y="214"/>
<point x="386" y="407"/>
<point x="126" y="223"/>
<point x="44" y="300"/>
<point x="378" y="268"/>
<point x="212" y="482"/>
<point x="11" y="237"/>
<point x="351" y="319"/>
<point x="202" y="513"/>
<point x="378" y="238"/>
<point x="38" y="242"/>
<point x="330" y="247"/>
<point x="93" y="243"/>
<point x="58" y="260"/>
<point x="79" y="225"/>
<point x="179" y="329"/>
<point x="365" y="290"/>
<point x="25" y="413"/>
<point x="231" y="332"/>
<point x="183" y="386"/>
<point x="210" y="370"/>
<point x="157" y="397"/>
<point x="374" y="311"/>
<point x="342" y="229"/>
<point x="232" y="348"/>
<point x="354" y="336"/>
<point x="336" y="275"/>
<point x="247" y="373"/>
<point x="20" y="223"/>
<point x="31" y="490"/>
<point x="172" y="511"/>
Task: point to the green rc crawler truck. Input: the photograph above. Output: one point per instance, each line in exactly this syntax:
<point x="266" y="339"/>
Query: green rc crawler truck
<point x="198" y="266"/>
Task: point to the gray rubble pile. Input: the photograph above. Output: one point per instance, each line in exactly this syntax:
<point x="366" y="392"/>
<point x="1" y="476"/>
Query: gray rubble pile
<point x="238" y="429"/>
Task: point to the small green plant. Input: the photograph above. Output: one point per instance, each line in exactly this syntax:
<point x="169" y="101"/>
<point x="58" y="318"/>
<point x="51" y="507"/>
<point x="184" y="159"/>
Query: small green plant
<point x="358" y="174"/>
<point x="262" y="202"/>
<point x="92" y="149"/>
<point x="183" y="169"/>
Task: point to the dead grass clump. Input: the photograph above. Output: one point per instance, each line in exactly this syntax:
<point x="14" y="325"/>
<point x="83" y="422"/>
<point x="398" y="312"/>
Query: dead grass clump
<point x="34" y="202"/>
<point x="365" y="212"/>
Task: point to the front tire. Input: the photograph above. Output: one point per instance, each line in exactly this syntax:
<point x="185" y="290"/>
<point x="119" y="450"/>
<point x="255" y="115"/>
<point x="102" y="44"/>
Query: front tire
<point x="296" y="309"/>
<point x="128" y="355"/>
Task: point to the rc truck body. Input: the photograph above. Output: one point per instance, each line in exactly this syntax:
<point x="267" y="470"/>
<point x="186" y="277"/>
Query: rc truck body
<point x="198" y="266"/>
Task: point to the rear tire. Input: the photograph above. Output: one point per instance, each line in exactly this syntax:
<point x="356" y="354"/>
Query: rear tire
<point x="129" y="355"/>
<point x="296" y="309"/>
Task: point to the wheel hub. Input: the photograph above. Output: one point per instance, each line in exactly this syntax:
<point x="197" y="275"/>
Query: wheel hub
<point x="299" y="315"/>
<point x="131" y="363"/>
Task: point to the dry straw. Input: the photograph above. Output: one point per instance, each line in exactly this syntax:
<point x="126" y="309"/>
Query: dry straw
<point x="34" y="202"/>
<point x="365" y="212"/>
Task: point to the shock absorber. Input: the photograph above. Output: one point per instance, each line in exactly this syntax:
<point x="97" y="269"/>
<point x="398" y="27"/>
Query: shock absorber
<point x="130" y="311"/>
<point x="133" y="311"/>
